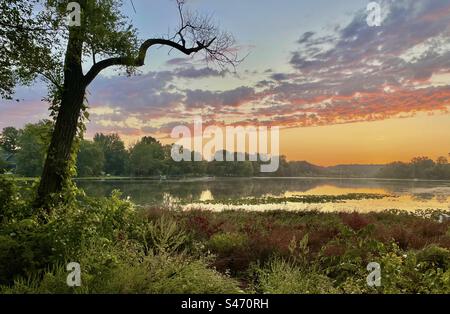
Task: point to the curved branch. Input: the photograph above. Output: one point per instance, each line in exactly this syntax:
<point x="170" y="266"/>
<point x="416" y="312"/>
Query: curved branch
<point x="139" y="60"/>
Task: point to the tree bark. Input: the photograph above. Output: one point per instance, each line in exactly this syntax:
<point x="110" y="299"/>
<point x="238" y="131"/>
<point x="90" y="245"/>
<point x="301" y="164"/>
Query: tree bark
<point x="57" y="163"/>
<point x="56" y="168"/>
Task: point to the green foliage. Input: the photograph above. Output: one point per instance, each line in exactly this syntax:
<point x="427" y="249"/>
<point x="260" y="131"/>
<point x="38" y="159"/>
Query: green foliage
<point x="169" y="275"/>
<point x="13" y="205"/>
<point x="32" y="33"/>
<point x="124" y="250"/>
<point x="155" y="274"/>
<point x="26" y="42"/>
<point x="9" y="139"/>
<point x="23" y="246"/>
<point x="30" y="244"/>
<point x="224" y="243"/>
<point x="114" y="152"/>
<point x="3" y="163"/>
<point x="401" y="272"/>
<point x="282" y="277"/>
<point x="33" y="141"/>
<point x="146" y="158"/>
<point x="316" y="199"/>
<point x="90" y="159"/>
<point x="412" y="272"/>
<point x="119" y="251"/>
<point x="164" y="235"/>
<point x="436" y="256"/>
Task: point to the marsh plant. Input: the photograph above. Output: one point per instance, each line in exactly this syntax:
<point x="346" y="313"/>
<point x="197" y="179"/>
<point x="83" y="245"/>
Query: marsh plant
<point x="122" y="248"/>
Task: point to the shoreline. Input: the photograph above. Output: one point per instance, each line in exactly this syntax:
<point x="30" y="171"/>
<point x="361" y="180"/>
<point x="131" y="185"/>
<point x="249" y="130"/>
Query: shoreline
<point x="205" y="179"/>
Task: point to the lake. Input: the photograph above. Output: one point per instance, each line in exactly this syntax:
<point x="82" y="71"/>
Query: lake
<point x="193" y="193"/>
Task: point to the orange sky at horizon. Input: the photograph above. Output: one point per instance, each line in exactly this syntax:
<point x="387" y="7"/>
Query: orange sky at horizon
<point x="375" y="142"/>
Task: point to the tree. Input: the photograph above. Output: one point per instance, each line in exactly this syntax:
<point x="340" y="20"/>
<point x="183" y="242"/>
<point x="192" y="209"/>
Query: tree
<point x="422" y="167"/>
<point x="3" y="163"/>
<point x="8" y="139"/>
<point x="33" y="142"/>
<point x="147" y="158"/>
<point x="396" y="169"/>
<point x="442" y="160"/>
<point x="104" y="33"/>
<point x="26" y="40"/>
<point x="244" y="168"/>
<point x="114" y="152"/>
<point x="90" y="159"/>
<point x="442" y="168"/>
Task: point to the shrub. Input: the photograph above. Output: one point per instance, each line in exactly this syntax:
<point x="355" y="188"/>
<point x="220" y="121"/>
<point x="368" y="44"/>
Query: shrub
<point x="436" y="256"/>
<point x="354" y="220"/>
<point x="282" y="277"/>
<point x="53" y="281"/>
<point x="164" y="235"/>
<point x="225" y="243"/>
<point x="22" y="253"/>
<point x="170" y="275"/>
<point x="13" y="201"/>
<point x="30" y="245"/>
<point x="406" y="273"/>
<point x="153" y="275"/>
<point x="201" y="225"/>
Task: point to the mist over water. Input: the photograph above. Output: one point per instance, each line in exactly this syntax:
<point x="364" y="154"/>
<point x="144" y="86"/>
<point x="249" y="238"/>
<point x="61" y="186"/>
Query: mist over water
<point x="402" y="194"/>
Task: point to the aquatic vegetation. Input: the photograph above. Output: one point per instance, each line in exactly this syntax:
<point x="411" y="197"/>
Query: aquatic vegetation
<point x="310" y="199"/>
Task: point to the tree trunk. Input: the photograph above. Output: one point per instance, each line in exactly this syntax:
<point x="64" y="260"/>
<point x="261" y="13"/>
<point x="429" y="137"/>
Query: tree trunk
<point x="57" y="163"/>
<point x="56" y="167"/>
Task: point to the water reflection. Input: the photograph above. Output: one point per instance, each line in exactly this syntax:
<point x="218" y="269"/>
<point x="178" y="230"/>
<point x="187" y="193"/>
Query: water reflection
<point x="409" y="195"/>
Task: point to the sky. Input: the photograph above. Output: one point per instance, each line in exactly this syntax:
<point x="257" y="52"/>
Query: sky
<point x="340" y="90"/>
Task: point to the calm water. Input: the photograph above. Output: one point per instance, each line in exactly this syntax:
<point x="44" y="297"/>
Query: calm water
<point x="405" y="195"/>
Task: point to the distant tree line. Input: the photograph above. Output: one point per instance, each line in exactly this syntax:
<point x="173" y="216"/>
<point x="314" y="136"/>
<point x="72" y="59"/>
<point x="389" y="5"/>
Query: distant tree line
<point x="418" y="168"/>
<point x="22" y="151"/>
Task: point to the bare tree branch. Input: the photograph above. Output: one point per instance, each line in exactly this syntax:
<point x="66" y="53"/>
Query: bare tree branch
<point x="139" y="60"/>
<point x="195" y="33"/>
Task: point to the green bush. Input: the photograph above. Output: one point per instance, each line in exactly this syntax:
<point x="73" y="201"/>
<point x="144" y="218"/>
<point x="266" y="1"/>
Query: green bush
<point x="224" y="243"/>
<point x="282" y="277"/>
<point x="414" y="272"/>
<point x="13" y="201"/>
<point x="29" y="245"/>
<point x="168" y="274"/>
<point x="118" y="250"/>
<point x="78" y="224"/>
<point x="436" y="256"/>
<point x="164" y="235"/>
